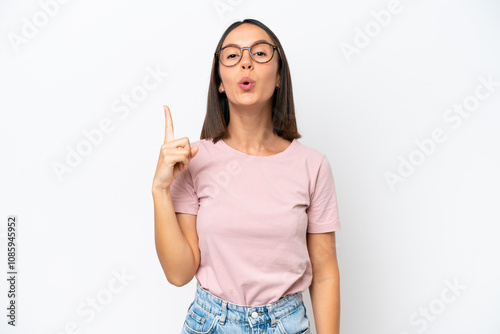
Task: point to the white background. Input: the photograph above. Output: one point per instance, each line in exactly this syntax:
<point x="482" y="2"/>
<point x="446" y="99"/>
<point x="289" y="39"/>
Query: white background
<point x="398" y="246"/>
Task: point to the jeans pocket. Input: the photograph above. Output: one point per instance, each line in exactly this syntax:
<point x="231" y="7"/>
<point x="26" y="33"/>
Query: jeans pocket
<point x="199" y="321"/>
<point x="295" y="322"/>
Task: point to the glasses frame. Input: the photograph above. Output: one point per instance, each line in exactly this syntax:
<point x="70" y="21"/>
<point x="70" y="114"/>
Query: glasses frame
<point x="249" y="48"/>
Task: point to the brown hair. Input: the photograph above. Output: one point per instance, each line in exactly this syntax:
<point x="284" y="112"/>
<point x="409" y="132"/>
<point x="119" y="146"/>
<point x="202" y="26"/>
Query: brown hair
<point x="283" y="109"/>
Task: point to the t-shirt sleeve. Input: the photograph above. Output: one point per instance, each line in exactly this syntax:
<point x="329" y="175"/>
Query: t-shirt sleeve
<point x="323" y="212"/>
<point x="183" y="194"/>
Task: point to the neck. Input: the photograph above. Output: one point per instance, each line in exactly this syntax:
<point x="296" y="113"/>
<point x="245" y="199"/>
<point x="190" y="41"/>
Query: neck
<point x="250" y="127"/>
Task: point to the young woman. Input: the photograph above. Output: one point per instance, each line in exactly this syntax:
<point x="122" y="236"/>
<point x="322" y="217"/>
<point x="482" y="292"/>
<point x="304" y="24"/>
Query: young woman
<point x="248" y="210"/>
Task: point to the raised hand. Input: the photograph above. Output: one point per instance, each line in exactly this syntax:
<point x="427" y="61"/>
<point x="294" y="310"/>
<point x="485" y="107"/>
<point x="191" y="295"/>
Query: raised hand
<point x="175" y="155"/>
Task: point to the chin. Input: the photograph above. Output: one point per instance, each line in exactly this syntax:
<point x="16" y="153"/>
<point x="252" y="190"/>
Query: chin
<point x="250" y="100"/>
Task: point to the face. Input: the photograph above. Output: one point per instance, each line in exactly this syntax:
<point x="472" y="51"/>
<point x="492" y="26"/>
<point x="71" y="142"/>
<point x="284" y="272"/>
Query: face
<point x="265" y="75"/>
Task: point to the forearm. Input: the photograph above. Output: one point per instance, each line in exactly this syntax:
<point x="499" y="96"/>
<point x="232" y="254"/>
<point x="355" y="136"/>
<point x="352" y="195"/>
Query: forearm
<point x="325" y="298"/>
<point x="175" y="254"/>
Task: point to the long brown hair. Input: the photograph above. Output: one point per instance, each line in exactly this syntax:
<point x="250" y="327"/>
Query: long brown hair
<point x="283" y="109"/>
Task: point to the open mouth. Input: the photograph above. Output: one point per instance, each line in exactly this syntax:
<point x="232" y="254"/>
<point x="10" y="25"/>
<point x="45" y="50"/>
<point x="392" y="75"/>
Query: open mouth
<point x="246" y="83"/>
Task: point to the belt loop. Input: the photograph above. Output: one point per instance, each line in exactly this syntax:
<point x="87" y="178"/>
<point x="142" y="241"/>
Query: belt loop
<point x="224" y="312"/>
<point x="270" y="311"/>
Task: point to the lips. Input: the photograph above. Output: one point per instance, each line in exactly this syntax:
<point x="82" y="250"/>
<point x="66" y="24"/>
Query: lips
<point x="245" y="80"/>
<point x="246" y="83"/>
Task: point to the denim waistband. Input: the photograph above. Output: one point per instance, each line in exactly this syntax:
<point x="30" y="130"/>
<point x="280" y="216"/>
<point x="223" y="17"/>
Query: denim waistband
<point x="254" y="315"/>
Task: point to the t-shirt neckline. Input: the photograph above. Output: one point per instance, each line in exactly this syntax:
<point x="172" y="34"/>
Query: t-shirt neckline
<point x="228" y="148"/>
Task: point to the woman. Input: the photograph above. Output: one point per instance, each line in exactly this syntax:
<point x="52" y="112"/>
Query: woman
<point x="247" y="209"/>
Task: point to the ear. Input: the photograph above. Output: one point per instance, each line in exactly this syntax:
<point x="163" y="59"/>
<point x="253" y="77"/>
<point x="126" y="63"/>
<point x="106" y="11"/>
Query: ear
<point x="221" y="87"/>
<point x="277" y="80"/>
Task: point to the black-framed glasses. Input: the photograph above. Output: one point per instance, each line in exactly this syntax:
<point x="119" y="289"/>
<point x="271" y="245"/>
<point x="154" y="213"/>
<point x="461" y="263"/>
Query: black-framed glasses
<point x="261" y="52"/>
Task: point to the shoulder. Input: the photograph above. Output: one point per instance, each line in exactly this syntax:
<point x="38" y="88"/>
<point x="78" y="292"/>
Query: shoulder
<point x="314" y="160"/>
<point x="201" y="143"/>
<point x="207" y="153"/>
<point x="309" y="153"/>
<point x="205" y="146"/>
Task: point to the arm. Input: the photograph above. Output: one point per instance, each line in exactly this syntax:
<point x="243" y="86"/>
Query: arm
<point x="175" y="233"/>
<point x="176" y="240"/>
<point x="325" y="286"/>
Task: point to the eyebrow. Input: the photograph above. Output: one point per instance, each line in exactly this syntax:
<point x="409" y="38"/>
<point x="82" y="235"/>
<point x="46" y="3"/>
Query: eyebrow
<point x="259" y="41"/>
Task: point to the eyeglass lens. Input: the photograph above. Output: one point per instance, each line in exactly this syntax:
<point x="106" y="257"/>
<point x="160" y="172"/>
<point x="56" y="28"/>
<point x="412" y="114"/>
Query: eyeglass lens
<point x="261" y="53"/>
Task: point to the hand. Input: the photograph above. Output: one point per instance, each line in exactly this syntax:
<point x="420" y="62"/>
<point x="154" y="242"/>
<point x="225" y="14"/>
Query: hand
<point x="175" y="155"/>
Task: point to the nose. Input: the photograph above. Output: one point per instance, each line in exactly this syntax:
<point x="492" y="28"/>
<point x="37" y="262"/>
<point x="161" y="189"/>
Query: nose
<point x="246" y="60"/>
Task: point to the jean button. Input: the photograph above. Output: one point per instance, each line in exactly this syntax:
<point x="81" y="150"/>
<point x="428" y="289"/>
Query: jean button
<point x="255" y="315"/>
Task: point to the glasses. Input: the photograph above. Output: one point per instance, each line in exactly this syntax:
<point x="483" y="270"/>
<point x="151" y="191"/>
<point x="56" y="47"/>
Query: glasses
<point x="261" y="52"/>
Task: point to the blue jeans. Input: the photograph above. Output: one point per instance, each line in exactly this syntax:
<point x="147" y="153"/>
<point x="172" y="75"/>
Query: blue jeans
<point x="211" y="314"/>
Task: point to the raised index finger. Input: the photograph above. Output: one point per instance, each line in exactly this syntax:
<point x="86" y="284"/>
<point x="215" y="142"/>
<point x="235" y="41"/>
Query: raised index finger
<point x="169" y="127"/>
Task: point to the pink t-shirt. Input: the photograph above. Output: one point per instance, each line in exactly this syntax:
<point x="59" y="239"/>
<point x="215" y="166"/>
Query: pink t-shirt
<point x="253" y="216"/>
